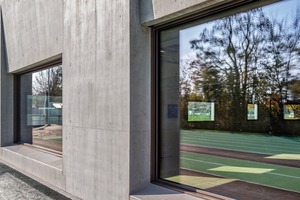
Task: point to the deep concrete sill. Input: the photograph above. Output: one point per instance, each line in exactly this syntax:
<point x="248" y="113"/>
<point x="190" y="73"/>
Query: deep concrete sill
<point x="44" y="165"/>
<point x="37" y="154"/>
<point x="155" y="192"/>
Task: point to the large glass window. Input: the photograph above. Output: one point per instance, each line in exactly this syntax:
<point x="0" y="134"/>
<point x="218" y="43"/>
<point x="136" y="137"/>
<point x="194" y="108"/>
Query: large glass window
<point x="232" y="80"/>
<point x="41" y="107"/>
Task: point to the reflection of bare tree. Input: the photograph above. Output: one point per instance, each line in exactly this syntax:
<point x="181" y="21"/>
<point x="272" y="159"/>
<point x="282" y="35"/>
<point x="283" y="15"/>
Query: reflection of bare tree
<point x="48" y="82"/>
<point x="244" y="58"/>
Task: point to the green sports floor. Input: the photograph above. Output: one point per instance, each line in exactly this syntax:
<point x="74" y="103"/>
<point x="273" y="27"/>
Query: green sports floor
<point x="231" y="169"/>
<point x="245" y="142"/>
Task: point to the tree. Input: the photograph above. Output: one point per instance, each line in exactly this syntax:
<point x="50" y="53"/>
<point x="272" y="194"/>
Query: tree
<point x="246" y="58"/>
<point x="231" y="51"/>
<point x="47" y="88"/>
<point x="48" y="82"/>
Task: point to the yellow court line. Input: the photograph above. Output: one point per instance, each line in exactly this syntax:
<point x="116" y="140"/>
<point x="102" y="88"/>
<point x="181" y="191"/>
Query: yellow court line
<point x="249" y="170"/>
<point x="199" y="181"/>
<point x="285" y="156"/>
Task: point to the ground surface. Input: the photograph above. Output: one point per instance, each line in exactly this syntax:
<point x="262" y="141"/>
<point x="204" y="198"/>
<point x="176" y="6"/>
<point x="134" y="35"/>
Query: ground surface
<point x="14" y="185"/>
<point x="49" y="136"/>
<point x="245" y="164"/>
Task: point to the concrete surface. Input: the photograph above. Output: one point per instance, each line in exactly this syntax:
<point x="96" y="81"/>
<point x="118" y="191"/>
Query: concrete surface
<point x="96" y="116"/>
<point x="33" y="30"/>
<point x="7" y="92"/>
<point x="14" y="185"/>
<point x="43" y="165"/>
<point x="140" y="101"/>
<point x="38" y="154"/>
<point x="154" y="12"/>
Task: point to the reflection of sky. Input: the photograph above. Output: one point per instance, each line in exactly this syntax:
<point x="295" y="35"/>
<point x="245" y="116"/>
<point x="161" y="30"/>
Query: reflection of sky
<point x="281" y="10"/>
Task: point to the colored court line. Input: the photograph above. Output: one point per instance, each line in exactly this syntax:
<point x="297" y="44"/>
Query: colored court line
<point x="285" y="157"/>
<point x="250" y="170"/>
<point x="280" y="177"/>
<point x="201" y="182"/>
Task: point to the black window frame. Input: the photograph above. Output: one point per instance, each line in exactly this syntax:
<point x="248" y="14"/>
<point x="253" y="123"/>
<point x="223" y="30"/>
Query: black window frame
<point x="17" y="94"/>
<point x="225" y="7"/>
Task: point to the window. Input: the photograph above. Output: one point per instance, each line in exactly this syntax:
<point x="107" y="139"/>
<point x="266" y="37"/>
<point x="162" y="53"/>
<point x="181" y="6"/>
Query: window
<point x="228" y="97"/>
<point x="40" y="108"/>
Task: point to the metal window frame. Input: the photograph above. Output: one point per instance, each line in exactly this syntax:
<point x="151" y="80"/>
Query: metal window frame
<point x="17" y="94"/>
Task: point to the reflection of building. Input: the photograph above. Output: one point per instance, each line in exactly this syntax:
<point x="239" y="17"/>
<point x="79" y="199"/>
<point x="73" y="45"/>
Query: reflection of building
<point x="104" y="48"/>
<point x="38" y="112"/>
<point x="292" y="111"/>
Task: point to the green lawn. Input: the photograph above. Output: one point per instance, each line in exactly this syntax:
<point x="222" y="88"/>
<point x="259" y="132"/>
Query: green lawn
<point x="202" y="117"/>
<point x="55" y="139"/>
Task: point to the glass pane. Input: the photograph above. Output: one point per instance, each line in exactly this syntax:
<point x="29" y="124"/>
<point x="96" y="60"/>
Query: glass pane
<point x="252" y="111"/>
<point x="41" y="108"/>
<point x="229" y="97"/>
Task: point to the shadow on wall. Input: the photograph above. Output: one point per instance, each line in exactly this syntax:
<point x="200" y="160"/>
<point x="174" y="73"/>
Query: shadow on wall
<point x="146" y="11"/>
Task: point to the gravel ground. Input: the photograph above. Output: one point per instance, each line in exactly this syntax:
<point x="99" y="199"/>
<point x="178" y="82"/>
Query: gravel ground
<point x="14" y="185"/>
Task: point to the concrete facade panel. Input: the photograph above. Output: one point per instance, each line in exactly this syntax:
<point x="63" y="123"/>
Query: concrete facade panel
<point x="96" y="99"/>
<point x="140" y="101"/>
<point x="156" y="11"/>
<point x="33" y="31"/>
<point x="97" y="166"/>
<point x="6" y="87"/>
<point x="39" y="169"/>
<point x="96" y="66"/>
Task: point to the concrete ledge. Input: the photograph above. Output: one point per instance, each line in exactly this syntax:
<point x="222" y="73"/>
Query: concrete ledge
<point x="155" y="192"/>
<point x="43" y="165"/>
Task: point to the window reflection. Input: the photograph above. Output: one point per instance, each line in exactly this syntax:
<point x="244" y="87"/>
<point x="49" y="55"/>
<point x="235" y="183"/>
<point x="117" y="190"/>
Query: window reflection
<point x="201" y="111"/>
<point x="237" y="83"/>
<point x="252" y="112"/>
<point x="41" y="108"/>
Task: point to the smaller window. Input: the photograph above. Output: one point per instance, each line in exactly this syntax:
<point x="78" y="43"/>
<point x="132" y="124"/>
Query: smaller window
<point x="291" y="111"/>
<point x="40" y="108"/>
<point x="252" y="111"/>
<point x="201" y="111"/>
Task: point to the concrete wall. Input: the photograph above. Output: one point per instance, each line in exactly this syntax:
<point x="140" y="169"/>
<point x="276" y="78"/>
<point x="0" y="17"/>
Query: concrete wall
<point x="31" y="34"/>
<point x="140" y="100"/>
<point x="33" y="31"/>
<point x="96" y="71"/>
<point x="6" y="99"/>
<point x="159" y="11"/>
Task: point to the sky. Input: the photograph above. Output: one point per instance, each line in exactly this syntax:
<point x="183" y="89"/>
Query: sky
<point x="283" y="10"/>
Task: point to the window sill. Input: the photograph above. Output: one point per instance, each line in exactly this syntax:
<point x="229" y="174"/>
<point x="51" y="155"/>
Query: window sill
<point x="155" y="192"/>
<point x="38" y="154"/>
<point x="37" y="162"/>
